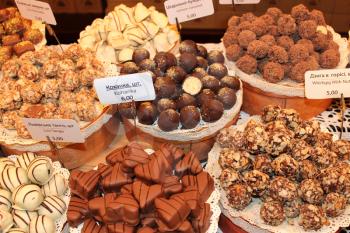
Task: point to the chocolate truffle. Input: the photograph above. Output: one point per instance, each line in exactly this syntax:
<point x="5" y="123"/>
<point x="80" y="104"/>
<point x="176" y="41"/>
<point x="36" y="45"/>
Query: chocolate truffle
<point x="129" y="68"/>
<point x="202" y="62"/>
<point x="245" y="37"/>
<point x="140" y="54"/>
<point x="189" y="117"/>
<point x="27" y="197"/>
<point x="259" y="27"/>
<point x="273" y="72"/>
<point x="42" y="224"/>
<point x="234" y="21"/>
<point x="127" y="110"/>
<point x="282" y="189"/>
<point x="318" y="16"/>
<point x="199" y="72"/>
<point x="285" y="165"/>
<point x="202" y="51"/>
<point x="278" y="54"/>
<point x="285" y="42"/>
<point x="307" y="29"/>
<point x="188" y="61"/>
<point x="192" y="85"/>
<point x="205" y="96"/>
<point x="268" y="39"/>
<point x="233" y="52"/>
<point x="147" y="113"/>
<point x="235" y="159"/>
<point x="212" y="110"/>
<point x="227" y="96"/>
<point x="185" y="100"/>
<point x="177" y="73"/>
<point x="298" y="53"/>
<point x="215" y="56"/>
<point x="218" y="70"/>
<point x="300" y="13"/>
<point x="263" y="163"/>
<point x="230" y="38"/>
<point x="188" y="46"/>
<point x="247" y="64"/>
<point x="329" y="59"/>
<point x="320" y="41"/>
<point x="164" y="60"/>
<point x="229" y="177"/>
<point x="274" y="12"/>
<point x="147" y="64"/>
<point x="164" y="104"/>
<point x="310" y="191"/>
<point x="308" y="170"/>
<point x="286" y="25"/>
<point x="165" y="87"/>
<point x="231" y="82"/>
<point x="239" y="196"/>
<point x="210" y="82"/>
<point x="168" y="120"/>
<point x="312" y="217"/>
<point x="257" y="182"/>
<point x="257" y="49"/>
<point x="272" y="213"/>
<point x="334" y="204"/>
<point x="40" y="170"/>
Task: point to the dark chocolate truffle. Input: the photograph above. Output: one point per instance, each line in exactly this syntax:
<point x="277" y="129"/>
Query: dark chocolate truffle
<point x="202" y="62"/>
<point x="227" y="96"/>
<point x="188" y="61"/>
<point x="164" y="87"/>
<point x="164" y="104"/>
<point x="168" y="120"/>
<point x="129" y="68"/>
<point x="148" y="64"/>
<point x="212" y="110"/>
<point x="231" y="82"/>
<point x="185" y="100"/>
<point x="189" y="117"/>
<point x="127" y="110"/>
<point x="165" y="60"/>
<point x="177" y="73"/>
<point x="205" y="96"/>
<point x="218" y="70"/>
<point x="188" y="46"/>
<point x="215" y="56"/>
<point x="199" y="72"/>
<point x="202" y="51"/>
<point x="147" y="113"/>
<point x="140" y="54"/>
<point x="210" y="82"/>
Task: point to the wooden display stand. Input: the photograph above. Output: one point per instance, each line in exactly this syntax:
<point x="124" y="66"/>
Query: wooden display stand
<point x="254" y="100"/>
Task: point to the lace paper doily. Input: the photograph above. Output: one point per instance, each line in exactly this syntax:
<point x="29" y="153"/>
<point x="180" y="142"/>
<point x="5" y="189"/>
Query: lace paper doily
<point x="61" y="223"/>
<point x="249" y="219"/>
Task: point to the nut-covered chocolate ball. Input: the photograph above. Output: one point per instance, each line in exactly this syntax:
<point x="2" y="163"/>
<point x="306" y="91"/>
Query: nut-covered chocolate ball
<point x="164" y="104"/>
<point x="147" y="64"/>
<point x="129" y="68"/>
<point x="215" y="56"/>
<point x="218" y="70"/>
<point x="176" y="73"/>
<point x="202" y="51"/>
<point x="185" y="100"/>
<point x="147" y="113"/>
<point x="231" y="82"/>
<point x="239" y="196"/>
<point x="165" y="60"/>
<point x="188" y="46"/>
<point x="202" y="62"/>
<point x="164" y="87"/>
<point x="227" y="97"/>
<point x="189" y="117"/>
<point x="212" y="111"/>
<point x="168" y="120"/>
<point x="188" y="61"/>
<point x="272" y="213"/>
<point x="205" y="96"/>
<point x="210" y="82"/>
<point x="140" y="54"/>
<point x="127" y="110"/>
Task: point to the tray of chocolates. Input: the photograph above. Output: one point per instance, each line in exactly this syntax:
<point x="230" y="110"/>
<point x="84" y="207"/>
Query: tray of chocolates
<point x="279" y="173"/>
<point x="160" y="191"/>
<point x="34" y="194"/>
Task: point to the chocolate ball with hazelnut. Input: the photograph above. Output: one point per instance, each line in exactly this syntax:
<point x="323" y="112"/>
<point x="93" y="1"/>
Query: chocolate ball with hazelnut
<point x="212" y="110"/>
<point x="210" y="82"/>
<point x="188" y="46"/>
<point x="202" y="62"/>
<point x="129" y="68"/>
<point x="164" y="87"/>
<point x="189" y="117"/>
<point x="165" y="103"/>
<point x="168" y="120"/>
<point x="227" y="97"/>
<point x="218" y="70"/>
<point x="164" y="60"/>
<point x="185" y="100"/>
<point x="202" y="51"/>
<point x="176" y="73"/>
<point x="205" y="96"/>
<point x="127" y="110"/>
<point x="140" y="54"/>
<point x="147" y="113"/>
<point x="231" y="82"/>
<point x="215" y="56"/>
<point x="147" y="64"/>
<point x="199" y="72"/>
<point x="188" y="61"/>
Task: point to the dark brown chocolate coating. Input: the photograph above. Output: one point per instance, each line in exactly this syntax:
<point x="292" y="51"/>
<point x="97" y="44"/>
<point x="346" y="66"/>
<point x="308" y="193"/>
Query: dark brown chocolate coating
<point x="202" y="51"/>
<point x="218" y="70"/>
<point x="164" y="104"/>
<point x="168" y="120"/>
<point x="202" y="62"/>
<point x="129" y="68"/>
<point x="212" y="110"/>
<point x="140" y="54"/>
<point x="177" y="73"/>
<point x="199" y="72"/>
<point x="147" y="64"/>
<point x="215" y="56"/>
<point x="147" y="113"/>
<point x="210" y="82"/>
<point x="164" y="87"/>
<point x="127" y="110"/>
<point x="188" y="46"/>
<point x="231" y="82"/>
<point x="188" y="61"/>
<point x="164" y="60"/>
<point x="189" y="117"/>
<point x="205" y="96"/>
<point x="227" y="96"/>
<point x="185" y="100"/>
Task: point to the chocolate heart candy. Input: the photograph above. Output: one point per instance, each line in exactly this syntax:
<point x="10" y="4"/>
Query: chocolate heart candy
<point x="146" y="230"/>
<point x="120" y="228"/>
<point x="116" y="179"/>
<point x="145" y="194"/>
<point x="188" y="165"/>
<point x="104" y="169"/>
<point x="123" y="209"/>
<point x="203" y="182"/>
<point x="186" y="227"/>
<point x="192" y="198"/>
<point x="134" y="155"/>
<point x="77" y="211"/>
<point x="97" y="207"/>
<point x="202" y="222"/>
<point x="126" y="189"/>
<point x="84" y="184"/>
<point x="116" y="156"/>
<point x="91" y="226"/>
<point x="171" y="185"/>
<point x="172" y="212"/>
<point x="176" y="152"/>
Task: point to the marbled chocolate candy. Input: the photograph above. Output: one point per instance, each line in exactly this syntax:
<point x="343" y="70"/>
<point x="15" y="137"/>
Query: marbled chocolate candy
<point x="203" y="182"/>
<point x="42" y="224"/>
<point x="91" y="226"/>
<point x="124" y="209"/>
<point x="188" y="165"/>
<point x="40" y="170"/>
<point x="145" y="194"/>
<point x="116" y="179"/>
<point x="57" y="185"/>
<point x="53" y="207"/>
<point x="22" y="218"/>
<point x="24" y="159"/>
<point x="84" y="184"/>
<point x="12" y="177"/>
<point x="77" y="211"/>
<point x="27" y="197"/>
<point x="5" y="200"/>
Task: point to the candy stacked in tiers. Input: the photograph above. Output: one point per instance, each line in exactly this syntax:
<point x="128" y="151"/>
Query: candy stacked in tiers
<point x="162" y="192"/>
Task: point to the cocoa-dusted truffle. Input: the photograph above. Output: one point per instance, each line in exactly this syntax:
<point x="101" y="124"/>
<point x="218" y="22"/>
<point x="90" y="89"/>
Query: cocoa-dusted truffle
<point x="140" y="54"/>
<point x="165" y="103"/>
<point x="268" y="19"/>
<point x="310" y="191"/>
<point x="188" y="61"/>
<point x="278" y="54"/>
<point x="233" y="52"/>
<point x="245" y="37"/>
<point x="273" y="72"/>
<point x="334" y="204"/>
<point x="298" y="53"/>
<point x="164" y="60"/>
<point x="272" y="213"/>
<point x="129" y="68"/>
<point x="164" y="87"/>
<point x="202" y="62"/>
<point x="231" y="82"/>
<point x="189" y="117"/>
<point x="234" y="21"/>
<point x="185" y="100"/>
<point x="249" y="16"/>
<point x="308" y="44"/>
<point x="147" y="113"/>
<point x="199" y="72"/>
<point x="275" y="13"/>
<point x="202" y="51"/>
<point x="329" y="59"/>
<point x="147" y="64"/>
<point x="307" y="29"/>
<point x="212" y="110"/>
<point x="268" y="39"/>
<point x="168" y="120"/>
<point x="229" y="38"/>
<point x="298" y="71"/>
<point x="192" y="85"/>
<point x="127" y="110"/>
<point x="320" y="41"/>
<point x="215" y="56"/>
<point x="318" y="16"/>
<point x="300" y="13"/>
<point x="210" y="82"/>
<point x="218" y="70"/>
<point x="176" y="73"/>
<point x="205" y="96"/>
<point x="245" y="25"/>
<point x="247" y="64"/>
<point x="188" y="46"/>
<point x="285" y="41"/>
<point x="286" y="25"/>
<point x="259" y="27"/>
<point x="227" y="97"/>
<point x="312" y="217"/>
<point x="238" y="196"/>
<point x="258" y="49"/>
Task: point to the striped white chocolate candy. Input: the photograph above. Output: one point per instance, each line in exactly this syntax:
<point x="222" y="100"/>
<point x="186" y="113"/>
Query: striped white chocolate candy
<point x="40" y="170"/>
<point x="57" y="185"/>
<point x="12" y="177"/>
<point x="16" y="230"/>
<point x="6" y="221"/>
<point x="53" y="207"/>
<point x="6" y="162"/>
<point x="42" y="224"/>
<point x="22" y="218"/>
<point x="5" y="200"/>
<point x="24" y="159"/>
<point x="27" y="197"/>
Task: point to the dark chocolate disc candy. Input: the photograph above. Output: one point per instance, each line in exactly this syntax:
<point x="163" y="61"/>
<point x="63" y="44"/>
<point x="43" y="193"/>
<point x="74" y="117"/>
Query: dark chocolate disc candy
<point x="128" y="206"/>
<point x="188" y="165"/>
<point x="189" y="117"/>
<point x="116" y="156"/>
<point x="171" y="185"/>
<point x="188" y="61"/>
<point x="127" y="110"/>
<point x="77" y="211"/>
<point x="145" y="194"/>
<point x="165" y="87"/>
<point x="188" y="46"/>
<point x="165" y="103"/>
<point x="185" y="100"/>
<point x="120" y="228"/>
<point x="203" y="182"/>
<point x="205" y="96"/>
<point x="147" y="113"/>
<point x="177" y="73"/>
<point x="231" y="82"/>
<point x="114" y="181"/>
<point x="140" y="54"/>
<point x="84" y="184"/>
<point x="227" y="97"/>
<point x="134" y="155"/>
<point x="168" y="120"/>
<point x="91" y="226"/>
<point x="212" y="111"/>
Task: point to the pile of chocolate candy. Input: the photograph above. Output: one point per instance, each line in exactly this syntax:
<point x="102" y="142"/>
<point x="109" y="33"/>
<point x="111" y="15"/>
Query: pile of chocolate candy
<point x="162" y="192"/>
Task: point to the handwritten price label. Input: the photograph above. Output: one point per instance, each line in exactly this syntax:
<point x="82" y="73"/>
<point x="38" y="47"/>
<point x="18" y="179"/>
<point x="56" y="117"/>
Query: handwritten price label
<point x="186" y="10"/>
<point x="36" y="10"/>
<point x="58" y="130"/>
<point x="227" y="2"/>
<point x="327" y="84"/>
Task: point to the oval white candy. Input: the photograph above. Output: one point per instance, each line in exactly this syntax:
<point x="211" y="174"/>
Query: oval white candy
<point x="22" y="218"/>
<point x="12" y="177"/>
<point x="53" y="207"/>
<point x="27" y="197"/>
<point x="40" y="170"/>
<point x="42" y="224"/>
<point x="57" y="185"/>
<point x="5" y="200"/>
<point x="24" y="159"/>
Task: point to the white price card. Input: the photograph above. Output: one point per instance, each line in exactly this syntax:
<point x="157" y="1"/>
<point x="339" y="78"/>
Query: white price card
<point x="125" y="88"/>
<point x="327" y="84"/>
<point x="36" y="10"/>
<point x="227" y="2"/>
<point x="186" y="10"/>
<point x="58" y="130"/>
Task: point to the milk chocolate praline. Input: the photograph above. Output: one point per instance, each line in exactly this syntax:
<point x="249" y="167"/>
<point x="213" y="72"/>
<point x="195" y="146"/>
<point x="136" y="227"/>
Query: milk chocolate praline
<point x="205" y="96"/>
<point x="129" y="68"/>
<point x="201" y="62"/>
<point x="215" y="56"/>
<point x="164" y="104"/>
<point x="227" y="97"/>
<point x="168" y="120"/>
<point x="140" y="54"/>
<point x="164" y="60"/>
<point x="147" y="64"/>
<point x="199" y="72"/>
<point x="127" y="110"/>
<point x="185" y="100"/>
<point x="147" y="113"/>
<point x="212" y="110"/>
<point x="189" y="117"/>
<point x="202" y="51"/>
<point x="188" y="46"/>
<point x="177" y="73"/>
<point x="210" y="82"/>
<point x="231" y="82"/>
<point x="165" y="87"/>
<point x="218" y="70"/>
<point x="188" y="61"/>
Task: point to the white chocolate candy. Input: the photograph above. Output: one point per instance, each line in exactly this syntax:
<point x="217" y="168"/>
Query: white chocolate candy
<point x="24" y="159"/>
<point x="5" y="200"/>
<point x="6" y="221"/>
<point x="16" y="230"/>
<point x="141" y="12"/>
<point x="40" y="170"/>
<point x="27" y="197"/>
<point x="12" y="177"/>
<point x="42" y="224"/>
<point x="57" y="185"/>
<point x="22" y="218"/>
<point x="6" y="162"/>
<point x="52" y="207"/>
<point x="125" y="55"/>
<point x="159" y="18"/>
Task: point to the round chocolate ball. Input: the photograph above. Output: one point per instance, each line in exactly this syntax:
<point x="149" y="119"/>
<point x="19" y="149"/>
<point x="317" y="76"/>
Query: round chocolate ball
<point x="164" y="87"/>
<point x="199" y="72"/>
<point x="127" y="110"/>
<point x="210" y="82"/>
<point x="159" y="73"/>
<point x="218" y="70"/>
<point x="147" y="64"/>
<point x="169" y="120"/>
<point x="129" y="68"/>
<point x="140" y="54"/>
<point x="185" y="100"/>
<point x="176" y="73"/>
<point x="227" y="96"/>
<point x="205" y="96"/>
<point x="188" y="46"/>
<point x="202" y="62"/>
<point x="212" y="110"/>
<point x="189" y="117"/>
<point x="215" y="56"/>
<point x="164" y="104"/>
<point x="188" y="61"/>
<point x="164" y="60"/>
<point x="202" y="51"/>
<point x="147" y="113"/>
<point x="231" y="82"/>
<point x="178" y="93"/>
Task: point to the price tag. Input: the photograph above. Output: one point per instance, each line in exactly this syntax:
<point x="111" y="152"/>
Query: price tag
<point x="36" y="10"/>
<point x="58" y="130"/>
<point x="229" y="2"/>
<point x="327" y="84"/>
<point x="185" y="10"/>
<point x="125" y="88"/>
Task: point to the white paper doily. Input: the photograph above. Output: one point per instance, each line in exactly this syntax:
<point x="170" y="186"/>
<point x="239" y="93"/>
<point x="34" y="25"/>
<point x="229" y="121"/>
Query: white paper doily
<point x="58" y="169"/>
